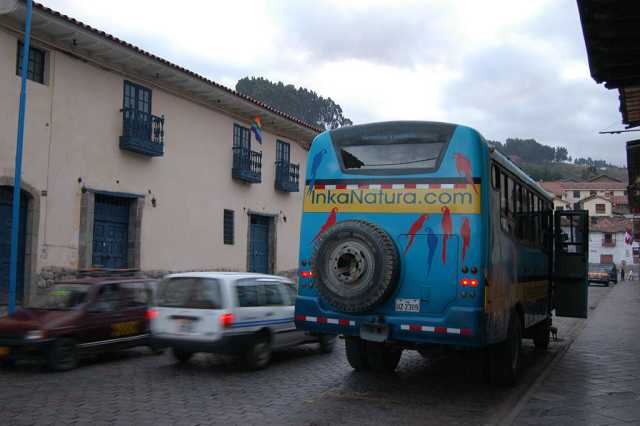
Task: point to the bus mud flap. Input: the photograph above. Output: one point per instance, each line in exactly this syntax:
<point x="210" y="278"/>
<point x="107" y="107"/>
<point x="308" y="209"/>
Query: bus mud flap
<point x="374" y="332"/>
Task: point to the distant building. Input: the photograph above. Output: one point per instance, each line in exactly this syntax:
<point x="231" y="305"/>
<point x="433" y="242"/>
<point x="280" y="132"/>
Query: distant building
<point x="607" y="241"/>
<point x="606" y="200"/>
<point x="571" y="193"/>
<point x="597" y="205"/>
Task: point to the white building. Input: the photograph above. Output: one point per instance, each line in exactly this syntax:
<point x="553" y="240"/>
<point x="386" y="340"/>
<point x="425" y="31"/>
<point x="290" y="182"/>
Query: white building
<point x="131" y="161"/>
<point x="607" y="241"/>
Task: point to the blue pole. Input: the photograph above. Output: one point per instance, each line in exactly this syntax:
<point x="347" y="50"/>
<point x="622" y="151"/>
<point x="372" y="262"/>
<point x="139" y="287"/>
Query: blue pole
<point x="15" y="219"/>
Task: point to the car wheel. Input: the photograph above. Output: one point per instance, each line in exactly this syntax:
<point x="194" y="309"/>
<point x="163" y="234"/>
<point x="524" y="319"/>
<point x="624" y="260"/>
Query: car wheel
<point x="542" y="335"/>
<point x="327" y="343"/>
<point x="356" y="265"/>
<point x="63" y="355"/>
<point x="7" y="362"/>
<point x="181" y="355"/>
<point x="383" y="358"/>
<point x="157" y="350"/>
<point x="504" y="363"/>
<point x="259" y="354"/>
<point x="356" y="350"/>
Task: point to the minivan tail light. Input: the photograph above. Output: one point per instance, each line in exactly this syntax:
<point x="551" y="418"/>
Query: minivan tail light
<point x="226" y="320"/>
<point x="152" y="314"/>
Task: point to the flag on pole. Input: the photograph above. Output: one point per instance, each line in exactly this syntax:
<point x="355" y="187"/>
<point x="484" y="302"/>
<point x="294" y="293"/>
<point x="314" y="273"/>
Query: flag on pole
<point x="628" y="238"/>
<point x="256" y="127"/>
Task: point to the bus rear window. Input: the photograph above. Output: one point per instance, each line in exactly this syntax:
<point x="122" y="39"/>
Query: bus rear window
<point x="392" y="146"/>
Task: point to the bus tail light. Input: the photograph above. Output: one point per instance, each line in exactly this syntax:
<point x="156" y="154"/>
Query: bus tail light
<point x="306" y="274"/>
<point x="226" y="320"/>
<point x="472" y="282"/>
<point x="151" y="314"/>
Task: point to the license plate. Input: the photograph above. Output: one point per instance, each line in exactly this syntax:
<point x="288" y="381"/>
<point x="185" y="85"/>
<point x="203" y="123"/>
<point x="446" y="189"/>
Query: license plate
<point x="185" y="326"/>
<point x="4" y="351"/>
<point x="407" y="305"/>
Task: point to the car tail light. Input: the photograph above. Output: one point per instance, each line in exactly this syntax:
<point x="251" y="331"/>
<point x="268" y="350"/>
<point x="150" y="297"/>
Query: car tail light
<point x="152" y="314"/>
<point x="226" y="320"/>
<point x="306" y="274"/>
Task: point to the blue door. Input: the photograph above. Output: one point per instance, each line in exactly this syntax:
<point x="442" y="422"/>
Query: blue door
<point x="6" y="197"/>
<point x="259" y="244"/>
<point x="111" y="232"/>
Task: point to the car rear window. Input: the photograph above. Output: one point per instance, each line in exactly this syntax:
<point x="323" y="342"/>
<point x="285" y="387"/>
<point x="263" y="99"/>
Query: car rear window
<point x="64" y="297"/>
<point x="190" y="292"/>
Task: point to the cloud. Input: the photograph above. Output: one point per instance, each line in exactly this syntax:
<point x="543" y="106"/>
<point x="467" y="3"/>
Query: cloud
<point x="508" y="68"/>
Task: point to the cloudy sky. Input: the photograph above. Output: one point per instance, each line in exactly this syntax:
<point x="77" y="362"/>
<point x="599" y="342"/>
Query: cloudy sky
<point x="512" y="68"/>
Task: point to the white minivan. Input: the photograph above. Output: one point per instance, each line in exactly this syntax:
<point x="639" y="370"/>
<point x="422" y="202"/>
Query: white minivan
<point x="228" y="312"/>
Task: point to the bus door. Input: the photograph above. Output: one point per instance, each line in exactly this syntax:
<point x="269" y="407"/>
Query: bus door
<point x="571" y="255"/>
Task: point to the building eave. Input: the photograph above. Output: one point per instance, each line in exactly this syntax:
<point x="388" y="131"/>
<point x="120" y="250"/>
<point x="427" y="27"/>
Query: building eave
<point x="74" y="37"/>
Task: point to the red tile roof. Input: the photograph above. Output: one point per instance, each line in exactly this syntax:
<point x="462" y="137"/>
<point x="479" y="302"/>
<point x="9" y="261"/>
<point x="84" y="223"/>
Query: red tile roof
<point x="610" y="224"/>
<point x="620" y="200"/>
<point x="140" y="51"/>
<point x="558" y="186"/>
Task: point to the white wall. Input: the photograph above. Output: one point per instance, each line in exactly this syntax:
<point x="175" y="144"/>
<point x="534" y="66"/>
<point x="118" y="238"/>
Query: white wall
<point x="620" y="251"/>
<point x="72" y="130"/>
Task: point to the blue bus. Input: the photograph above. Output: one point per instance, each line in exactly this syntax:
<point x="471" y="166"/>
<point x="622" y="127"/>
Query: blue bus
<point x="420" y="234"/>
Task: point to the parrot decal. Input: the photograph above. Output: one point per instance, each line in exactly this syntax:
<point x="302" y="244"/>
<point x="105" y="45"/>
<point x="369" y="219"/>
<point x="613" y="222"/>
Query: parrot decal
<point x="331" y="220"/>
<point x="432" y="245"/>
<point x="447" y="228"/>
<point x="465" y="233"/>
<point x="463" y="166"/>
<point x="412" y="231"/>
<point x="315" y="165"/>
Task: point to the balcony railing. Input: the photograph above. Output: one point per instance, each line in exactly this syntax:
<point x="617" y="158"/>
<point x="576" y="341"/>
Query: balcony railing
<point x="608" y="243"/>
<point x="247" y="165"/>
<point x="142" y="133"/>
<point x="287" y="176"/>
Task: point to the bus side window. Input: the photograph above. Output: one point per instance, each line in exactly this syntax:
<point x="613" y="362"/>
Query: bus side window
<point x="504" y="202"/>
<point x="495" y="177"/>
<point x="518" y="210"/>
<point x="511" y="214"/>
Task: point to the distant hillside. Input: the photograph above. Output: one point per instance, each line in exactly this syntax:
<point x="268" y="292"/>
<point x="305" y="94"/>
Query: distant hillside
<point x="544" y="162"/>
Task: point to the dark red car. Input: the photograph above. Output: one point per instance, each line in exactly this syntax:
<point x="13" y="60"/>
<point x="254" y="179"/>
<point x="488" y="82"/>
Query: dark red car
<point x="77" y="317"/>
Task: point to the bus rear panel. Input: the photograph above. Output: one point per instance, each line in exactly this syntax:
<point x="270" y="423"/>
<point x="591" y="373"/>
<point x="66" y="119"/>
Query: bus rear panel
<point x="422" y="185"/>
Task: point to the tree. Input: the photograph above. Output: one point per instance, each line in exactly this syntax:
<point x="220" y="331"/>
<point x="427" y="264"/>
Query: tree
<point x="561" y="154"/>
<point x="301" y="103"/>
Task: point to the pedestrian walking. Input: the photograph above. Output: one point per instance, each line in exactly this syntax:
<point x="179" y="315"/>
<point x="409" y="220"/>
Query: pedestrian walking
<point x="621" y="272"/>
<point x="630" y="275"/>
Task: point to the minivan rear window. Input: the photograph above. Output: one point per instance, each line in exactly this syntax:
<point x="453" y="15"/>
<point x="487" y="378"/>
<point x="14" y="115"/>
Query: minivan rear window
<point x="190" y="292"/>
<point x="394" y="146"/>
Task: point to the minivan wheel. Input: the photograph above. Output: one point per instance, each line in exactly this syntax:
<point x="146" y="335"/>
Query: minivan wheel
<point x="62" y="355"/>
<point x="156" y="349"/>
<point x="356" y="265"/>
<point x="181" y="355"/>
<point x="505" y="357"/>
<point x="383" y="358"/>
<point x="356" y="350"/>
<point x="327" y="343"/>
<point x="259" y="354"/>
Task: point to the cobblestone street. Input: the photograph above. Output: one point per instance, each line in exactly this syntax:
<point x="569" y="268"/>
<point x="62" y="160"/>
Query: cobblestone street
<point x="597" y="381"/>
<point x="301" y="387"/>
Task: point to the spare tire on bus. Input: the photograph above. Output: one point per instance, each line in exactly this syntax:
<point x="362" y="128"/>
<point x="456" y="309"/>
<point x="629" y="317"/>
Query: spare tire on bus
<point x="356" y="265"/>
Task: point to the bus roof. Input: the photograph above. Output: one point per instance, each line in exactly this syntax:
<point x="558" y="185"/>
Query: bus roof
<point x="513" y="168"/>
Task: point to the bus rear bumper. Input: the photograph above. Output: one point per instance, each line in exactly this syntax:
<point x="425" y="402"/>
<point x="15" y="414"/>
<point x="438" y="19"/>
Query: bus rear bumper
<point x="460" y="326"/>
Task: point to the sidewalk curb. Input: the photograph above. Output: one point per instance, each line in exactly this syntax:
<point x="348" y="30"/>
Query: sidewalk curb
<point x="509" y="420"/>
